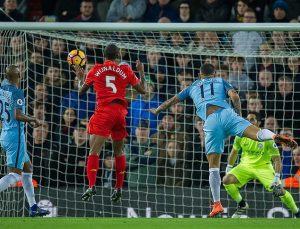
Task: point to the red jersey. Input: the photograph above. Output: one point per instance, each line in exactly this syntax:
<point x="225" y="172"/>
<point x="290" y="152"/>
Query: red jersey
<point x="110" y="81"/>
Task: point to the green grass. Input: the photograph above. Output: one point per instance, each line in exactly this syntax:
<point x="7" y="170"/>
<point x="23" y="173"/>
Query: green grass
<point x="142" y="223"/>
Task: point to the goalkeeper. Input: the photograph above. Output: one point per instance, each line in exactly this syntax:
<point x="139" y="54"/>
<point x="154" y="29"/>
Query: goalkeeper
<point x="255" y="163"/>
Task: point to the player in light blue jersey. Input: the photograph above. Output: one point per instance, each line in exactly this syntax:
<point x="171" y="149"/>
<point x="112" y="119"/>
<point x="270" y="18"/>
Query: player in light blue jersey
<point x="12" y="139"/>
<point x="210" y="95"/>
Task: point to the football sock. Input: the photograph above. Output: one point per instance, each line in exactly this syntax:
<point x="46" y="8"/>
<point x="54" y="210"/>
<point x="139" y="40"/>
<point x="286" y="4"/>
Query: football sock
<point x="8" y="180"/>
<point x="264" y="134"/>
<point x="92" y="169"/>
<point x="288" y="200"/>
<point x="234" y="192"/>
<point x="28" y="188"/>
<point x="214" y="183"/>
<point x="120" y="162"/>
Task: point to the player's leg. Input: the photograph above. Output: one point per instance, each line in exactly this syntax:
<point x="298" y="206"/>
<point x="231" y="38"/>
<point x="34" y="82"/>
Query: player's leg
<point x="120" y="166"/>
<point x="96" y="143"/>
<point x="257" y="134"/>
<point x="118" y="134"/>
<point x="14" y="173"/>
<point x="214" y="146"/>
<point x="29" y="190"/>
<point x="266" y="177"/>
<point x="235" y="179"/>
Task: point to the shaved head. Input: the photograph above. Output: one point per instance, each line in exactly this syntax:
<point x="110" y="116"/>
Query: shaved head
<point x="13" y="73"/>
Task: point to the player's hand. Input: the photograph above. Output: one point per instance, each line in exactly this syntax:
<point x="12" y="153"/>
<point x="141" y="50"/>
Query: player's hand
<point x="154" y="111"/>
<point x="79" y="72"/>
<point x="228" y="168"/>
<point x="139" y="66"/>
<point x="277" y="189"/>
<point x="36" y="123"/>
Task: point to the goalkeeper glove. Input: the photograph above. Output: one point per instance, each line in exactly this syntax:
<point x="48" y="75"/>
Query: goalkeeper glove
<point x="276" y="186"/>
<point x="228" y="168"/>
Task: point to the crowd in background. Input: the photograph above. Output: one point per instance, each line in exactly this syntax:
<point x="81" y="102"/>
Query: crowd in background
<point x="161" y="150"/>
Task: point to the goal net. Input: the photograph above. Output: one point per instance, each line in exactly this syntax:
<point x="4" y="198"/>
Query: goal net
<point x="167" y="170"/>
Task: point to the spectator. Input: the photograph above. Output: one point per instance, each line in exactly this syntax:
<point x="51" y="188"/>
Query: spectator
<point x="222" y="72"/>
<point x="265" y="63"/>
<point x="266" y="90"/>
<point x="36" y="69"/>
<point x="254" y="104"/>
<point x="238" y="77"/>
<point x="58" y="53"/>
<point x="41" y="94"/>
<point x="294" y="180"/>
<point x="279" y="13"/>
<point x="102" y="8"/>
<point x="164" y="36"/>
<point x="239" y="11"/>
<point x="271" y="123"/>
<point x="157" y="9"/>
<point x="171" y="165"/>
<point x="10" y="9"/>
<point x="72" y="157"/>
<point x="259" y="7"/>
<point x="64" y="131"/>
<point x="287" y="155"/>
<point x="87" y="13"/>
<point x="57" y="86"/>
<point x="16" y="51"/>
<point x="41" y="45"/>
<point x="286" y="103"/>
<point x="66" y="10"/>
<point x="138" y="109"/>
<point x="214" y="11"/>
<point x="246" y="42"/>
<point x="141" y="156"/>
<point x="131" y="10"/>
<point x="84" y="104"/>
<point x="185" y="13"/>
<point x="108" y="177"/>
<point x="44" y="156"/>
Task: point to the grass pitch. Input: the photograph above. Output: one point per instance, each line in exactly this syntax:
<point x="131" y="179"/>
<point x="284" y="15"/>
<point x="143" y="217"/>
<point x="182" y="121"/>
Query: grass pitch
<point x="142" y="223"/>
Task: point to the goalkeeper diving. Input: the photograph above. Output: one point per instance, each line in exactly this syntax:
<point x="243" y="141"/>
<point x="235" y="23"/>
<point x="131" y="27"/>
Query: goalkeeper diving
<point x="255" y="164"/>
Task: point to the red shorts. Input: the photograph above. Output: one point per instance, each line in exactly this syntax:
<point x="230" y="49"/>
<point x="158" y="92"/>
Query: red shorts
<point x="109" y="121"/>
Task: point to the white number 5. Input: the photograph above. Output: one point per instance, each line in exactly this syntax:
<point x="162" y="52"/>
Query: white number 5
<point x="110" y="84"/>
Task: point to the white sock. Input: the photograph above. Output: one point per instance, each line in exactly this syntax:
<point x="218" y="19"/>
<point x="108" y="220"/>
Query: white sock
<point x="215" y="183"/>
<point x="28" y="188"/>
<point x="264" y="134"/>
<point x="9" y="180"/>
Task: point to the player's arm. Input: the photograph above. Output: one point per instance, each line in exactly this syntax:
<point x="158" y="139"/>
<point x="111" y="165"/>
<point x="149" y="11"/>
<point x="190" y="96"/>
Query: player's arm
<point x="140" y="87"/>
<point x="277" y="164"/>
<point x="82" y="87"/>
<point x="165" y="105"/>
<point x="20" y="116"/>
<point x="233" y="154"/>
<point x="235" y="98"/>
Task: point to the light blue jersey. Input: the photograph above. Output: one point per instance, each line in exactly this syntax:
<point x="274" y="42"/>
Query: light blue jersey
<point x="220" y="124"/>
<point x="12" y="135"/>
<point x="206" y="92"/>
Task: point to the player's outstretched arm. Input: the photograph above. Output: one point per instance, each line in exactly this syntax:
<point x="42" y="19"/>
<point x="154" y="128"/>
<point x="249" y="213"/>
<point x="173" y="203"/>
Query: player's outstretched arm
<point x="140" y="88"/>
<point x="79" y="72"/>
<point x="165" y="105"/>
<point x="19" y="116"/>
<point x="235" y="98"/>
<point x="277" y="164"/>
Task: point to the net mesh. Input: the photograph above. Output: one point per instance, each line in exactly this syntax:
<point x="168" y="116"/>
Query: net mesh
<point x="167" y="170"/>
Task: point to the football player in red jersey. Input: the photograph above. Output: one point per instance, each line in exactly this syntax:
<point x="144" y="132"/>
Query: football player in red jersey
<point x="109" y="81"/>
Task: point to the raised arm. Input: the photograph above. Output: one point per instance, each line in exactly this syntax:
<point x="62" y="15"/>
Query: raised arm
<point x="82" y="87"/>
<point x="165" y="105"/>
<point x="235" y="98"/>
<point x="140" y="88"/>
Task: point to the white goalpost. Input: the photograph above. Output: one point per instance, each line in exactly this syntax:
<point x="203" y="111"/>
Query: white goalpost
<point x="167" y="170"/>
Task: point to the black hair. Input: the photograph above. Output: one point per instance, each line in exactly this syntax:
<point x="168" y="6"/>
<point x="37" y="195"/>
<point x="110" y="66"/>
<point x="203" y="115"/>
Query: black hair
<point x="111" y="52"/>
<point x="257" y="115"/>
<point x="207" y="69"/>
